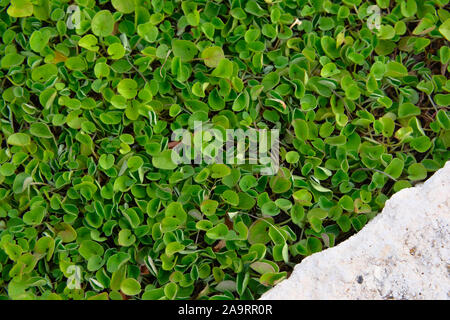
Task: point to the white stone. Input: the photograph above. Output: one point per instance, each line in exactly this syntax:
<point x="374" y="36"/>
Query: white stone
<point x="403" y="253"/>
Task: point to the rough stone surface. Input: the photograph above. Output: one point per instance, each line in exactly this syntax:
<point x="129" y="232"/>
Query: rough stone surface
<point x="403" y="253"/>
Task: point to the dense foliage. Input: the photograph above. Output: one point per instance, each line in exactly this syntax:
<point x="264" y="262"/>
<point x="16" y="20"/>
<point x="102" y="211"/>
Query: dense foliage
<point x="91" y="204"/>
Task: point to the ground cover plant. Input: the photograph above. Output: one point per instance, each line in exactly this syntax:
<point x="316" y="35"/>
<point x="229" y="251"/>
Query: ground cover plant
<point x="92" y="205"/>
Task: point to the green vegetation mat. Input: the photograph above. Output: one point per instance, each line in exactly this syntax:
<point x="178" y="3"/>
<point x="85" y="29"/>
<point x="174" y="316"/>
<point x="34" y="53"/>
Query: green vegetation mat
<point x="92" y="203"/>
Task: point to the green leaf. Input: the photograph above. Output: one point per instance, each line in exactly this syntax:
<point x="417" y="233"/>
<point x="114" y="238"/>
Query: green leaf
<point x="35" y="216"/>
<point x="270" y="209"/>
<point x="407" y="110"/>
<point x="171" y="290"/>
<point x="89" y="249"/>
<point x="126" y="238"/>
<point x="11" y="60"/>
<point x="44" y="73"/>
<point x="127" y="88"/>
<point x="173" y="248"/>
<point x="395" y="168"/>
<point x="396" y="70"/>
<point x="346" y="203"/>
<point x="259" y="231"/>
<point x="116" y="51"/>
<point x="417" y="171"/>
<point x="148" y="31"/>
<point x="421" y="144"/>
<point x="134" y="163"/>
<point x="336" y="140"/>
<point x="224" y="69"/>
<point x="184" y="49"/>
<point x="219" y="170"/>
<point x="19" y="139"/>
<point x="103" y="23"/>
<point x="41" y="130"/>
<point x="212" y="56"/>
<point x="89" y="42"/>
<point x="218" y="232"/>
<point x="408" y="8"/>
<point x="38" y="41"/>
<point x="124" y="6"/>
<point x="270" y="80"/>
<point x="442" y="100"/>
<point x="444" y="29"/>
<point x="247" y="182"/>
<point x="164" y="160"/>
<point x="231" y="197"/>
<point x="209" y="207"/>
<point x="106" y="161"/>
<point x="344" y="223"/>
<point x="20" y="8"/>
<point x="303" y="197"/>
<point x="130" y="287"/>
